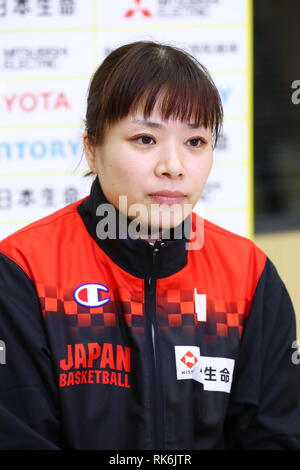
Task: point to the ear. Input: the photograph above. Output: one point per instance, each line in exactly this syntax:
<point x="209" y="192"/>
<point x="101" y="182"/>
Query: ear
<point x="90" y="153"/>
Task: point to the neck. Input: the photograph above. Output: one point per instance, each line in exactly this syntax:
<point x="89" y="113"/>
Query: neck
<point x="153" y="237"/>
<point x="133" y="255"/>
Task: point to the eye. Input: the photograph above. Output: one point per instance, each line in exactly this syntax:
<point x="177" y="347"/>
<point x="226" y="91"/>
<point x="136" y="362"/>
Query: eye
<point x="144" y="139"/>
<point x="196" y="142"/>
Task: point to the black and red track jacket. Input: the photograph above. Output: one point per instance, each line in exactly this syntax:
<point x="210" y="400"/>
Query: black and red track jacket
<point x="118" y="344"/>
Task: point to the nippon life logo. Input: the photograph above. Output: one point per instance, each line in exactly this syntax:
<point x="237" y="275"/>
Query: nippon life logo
<point x="91" y="295"/>
<point x="215" y="373"/>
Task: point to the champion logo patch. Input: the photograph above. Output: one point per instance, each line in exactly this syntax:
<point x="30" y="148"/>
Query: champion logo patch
<point x="91" y="295"/>
<point x="215" y="373"/>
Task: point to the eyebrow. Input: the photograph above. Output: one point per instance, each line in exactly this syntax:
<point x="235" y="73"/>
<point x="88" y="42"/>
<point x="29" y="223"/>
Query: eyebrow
<point x="158" y="125"/>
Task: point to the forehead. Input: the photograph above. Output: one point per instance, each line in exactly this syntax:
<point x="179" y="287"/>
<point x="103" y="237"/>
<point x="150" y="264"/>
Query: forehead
<point x="160" y="116"/>
<point x="136" y="122"/>
<point x="156" y="121"/>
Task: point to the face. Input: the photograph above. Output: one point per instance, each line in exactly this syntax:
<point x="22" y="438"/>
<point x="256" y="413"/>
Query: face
<point x="160" y="165"/>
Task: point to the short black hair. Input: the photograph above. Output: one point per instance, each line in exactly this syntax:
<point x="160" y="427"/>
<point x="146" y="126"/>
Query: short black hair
<point x="141" y="72"/>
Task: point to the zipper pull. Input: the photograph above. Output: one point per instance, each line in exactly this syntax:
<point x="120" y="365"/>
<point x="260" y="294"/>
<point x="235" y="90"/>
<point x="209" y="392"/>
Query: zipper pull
<point x="158" y="243"/>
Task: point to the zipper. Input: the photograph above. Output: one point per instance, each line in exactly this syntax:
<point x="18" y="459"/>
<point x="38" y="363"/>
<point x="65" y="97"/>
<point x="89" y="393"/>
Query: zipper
<point x="153" y="342"/>
<point x="156" y="390"/>
<point x="155" y="252"/>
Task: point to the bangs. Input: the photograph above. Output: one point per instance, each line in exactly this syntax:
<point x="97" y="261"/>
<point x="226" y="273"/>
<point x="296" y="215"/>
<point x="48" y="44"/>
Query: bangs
<point x="144" y="74"/>
<point x="185" y="103"/>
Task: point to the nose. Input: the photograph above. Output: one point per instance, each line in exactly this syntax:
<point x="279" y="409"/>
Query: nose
<point x="170" y="162"/>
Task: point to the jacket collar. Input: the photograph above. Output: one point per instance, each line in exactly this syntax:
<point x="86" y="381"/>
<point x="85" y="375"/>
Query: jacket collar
<point x="133" y="255"/>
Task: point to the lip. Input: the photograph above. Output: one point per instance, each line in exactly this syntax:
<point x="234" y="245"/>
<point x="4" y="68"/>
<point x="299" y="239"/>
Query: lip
<point x="166" y="193"/>
<point x="167" y="197"/>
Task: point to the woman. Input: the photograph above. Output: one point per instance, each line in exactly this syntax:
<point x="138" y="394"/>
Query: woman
<point x="129" y="322"/>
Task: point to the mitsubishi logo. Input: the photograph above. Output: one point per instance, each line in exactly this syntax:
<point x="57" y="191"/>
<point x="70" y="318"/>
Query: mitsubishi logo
<point x="137" y="9"/>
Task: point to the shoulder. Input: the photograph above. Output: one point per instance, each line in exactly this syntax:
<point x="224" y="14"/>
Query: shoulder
<point x="216" y="233"/>
<point x="219" y="233"/>
<point x="42" y="236"/>
<point x="229" y="250"/>
<point x="227" y="237"/>
<point x="55" y="218"/>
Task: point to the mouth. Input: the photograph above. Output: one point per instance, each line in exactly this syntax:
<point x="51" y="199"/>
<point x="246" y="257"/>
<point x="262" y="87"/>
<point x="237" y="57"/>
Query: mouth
<point x="167" y="197"/>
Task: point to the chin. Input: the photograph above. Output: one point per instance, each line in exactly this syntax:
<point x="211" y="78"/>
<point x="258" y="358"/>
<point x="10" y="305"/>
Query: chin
<point x="168" y="226"/>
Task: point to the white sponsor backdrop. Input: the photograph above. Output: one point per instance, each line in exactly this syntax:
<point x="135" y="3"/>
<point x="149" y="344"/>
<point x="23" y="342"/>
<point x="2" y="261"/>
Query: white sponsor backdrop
<point x="48" y="51"/>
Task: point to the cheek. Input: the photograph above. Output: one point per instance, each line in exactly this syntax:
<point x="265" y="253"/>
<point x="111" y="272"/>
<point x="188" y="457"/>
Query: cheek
<point x="123" y="175"/>
<point x="208" y="169"/>
<point x="199" y="176"/>
<point x="202" y="169"/>
<point x="126" y="175"/>
<point x="133" y="171"/>
<point x="208" y="163"/>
